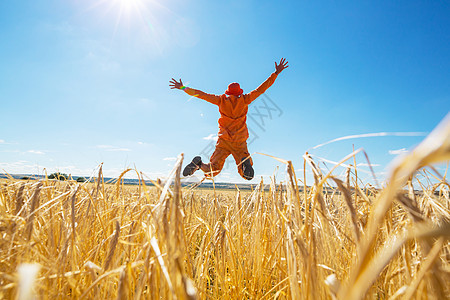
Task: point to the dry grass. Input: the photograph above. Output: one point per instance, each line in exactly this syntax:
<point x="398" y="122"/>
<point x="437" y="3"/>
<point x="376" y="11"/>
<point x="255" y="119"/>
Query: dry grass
<point x="100" y="241"/>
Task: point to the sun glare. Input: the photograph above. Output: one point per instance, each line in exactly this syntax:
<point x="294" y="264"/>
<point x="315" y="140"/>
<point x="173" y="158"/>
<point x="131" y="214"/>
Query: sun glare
<point x="126" y="13"/>
<point x="129" y="12"/>
<point x="144" y="22"/>
<point x="128" y="5"/>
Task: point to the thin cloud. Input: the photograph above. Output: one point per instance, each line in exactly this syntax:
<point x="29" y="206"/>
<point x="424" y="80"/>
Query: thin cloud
<point x="144" y="143"/>
<point x="20" y="167"/>
<point x="398" y="151"/>
<point x="170" y="158"/>
<point x="324" y="160"/>
<point x="3" y="142"/>
<point x="112" y="148"/>
<point x="14" y="164"/>
<point x="120" y="149"/>
<point x="300" y="171"/>
<point x="146" y="101"/>
<point x="367" y="165"/>
<point x="211" y="137"/>
<point x="64" y="28"/>
<point x="36" y="152"/>
<point x="102" y="62"/>
<point x="369" y="135"/>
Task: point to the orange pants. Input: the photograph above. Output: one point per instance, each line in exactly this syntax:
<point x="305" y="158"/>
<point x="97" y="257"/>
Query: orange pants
<point x="223" y="149"/>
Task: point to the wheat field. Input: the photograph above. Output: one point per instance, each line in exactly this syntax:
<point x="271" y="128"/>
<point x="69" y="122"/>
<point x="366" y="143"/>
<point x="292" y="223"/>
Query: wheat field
<point x="336" y="239"/>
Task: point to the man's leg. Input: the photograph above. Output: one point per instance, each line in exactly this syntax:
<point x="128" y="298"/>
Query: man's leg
<point x="243" y="160"/>
<point x="216" y="162"/>
<point x="246" y="170"/>
<point x="193" y="166"/>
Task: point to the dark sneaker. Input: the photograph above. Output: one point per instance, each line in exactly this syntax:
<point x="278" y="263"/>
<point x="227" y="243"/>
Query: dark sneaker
<point x="193" y="166"/>
<point x="247" y="169"/>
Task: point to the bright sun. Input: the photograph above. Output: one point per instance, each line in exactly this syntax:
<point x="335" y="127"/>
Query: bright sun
<point x="137" y="16"/>
<point x="128" y="11"/>
<point x="129" y="5"/>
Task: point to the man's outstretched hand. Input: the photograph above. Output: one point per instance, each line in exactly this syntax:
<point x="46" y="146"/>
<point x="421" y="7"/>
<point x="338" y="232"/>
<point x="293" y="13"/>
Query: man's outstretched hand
<point x="175" y="85"/>
<point x="281" y="66"/>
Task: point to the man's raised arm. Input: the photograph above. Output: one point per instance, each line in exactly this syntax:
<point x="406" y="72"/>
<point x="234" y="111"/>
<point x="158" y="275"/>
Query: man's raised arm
<point x="214" y="99"/>
<point x="269" y="81"/>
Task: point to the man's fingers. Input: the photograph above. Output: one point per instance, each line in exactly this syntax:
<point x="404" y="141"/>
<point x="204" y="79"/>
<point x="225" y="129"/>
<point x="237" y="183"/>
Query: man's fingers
<point x="174" y="80"/>
<point x="282" y="62"/>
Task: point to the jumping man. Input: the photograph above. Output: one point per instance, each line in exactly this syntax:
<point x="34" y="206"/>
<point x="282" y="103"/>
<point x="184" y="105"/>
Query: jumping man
<point x="233" y="132"/>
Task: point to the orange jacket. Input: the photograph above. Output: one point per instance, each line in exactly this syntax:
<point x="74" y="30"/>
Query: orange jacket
<point x="233" y="110"/>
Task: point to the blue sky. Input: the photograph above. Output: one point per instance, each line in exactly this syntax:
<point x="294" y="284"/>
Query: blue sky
<point x="85" y="82"/>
